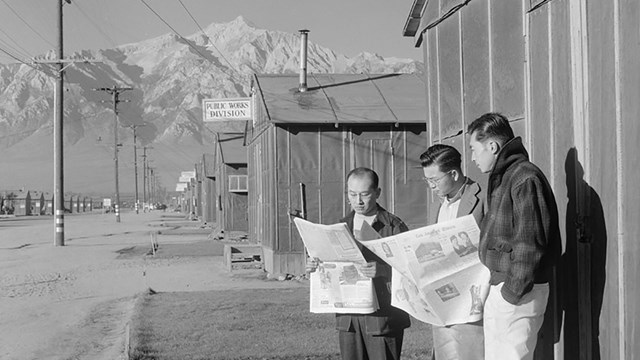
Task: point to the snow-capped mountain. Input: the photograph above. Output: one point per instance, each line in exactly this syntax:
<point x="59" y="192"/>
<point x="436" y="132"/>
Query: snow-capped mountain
<point x="170" y="77"/>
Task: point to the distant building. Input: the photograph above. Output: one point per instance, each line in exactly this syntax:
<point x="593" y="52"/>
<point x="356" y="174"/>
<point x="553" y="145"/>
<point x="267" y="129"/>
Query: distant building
<point x="230" y="169"/>
<point x="38" y="204"/>
<point x="22" y="203"/>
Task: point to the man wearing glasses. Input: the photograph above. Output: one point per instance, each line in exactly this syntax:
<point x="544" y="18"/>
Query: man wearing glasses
<point x="376" y="336"/>
<point x="458" y="196"/>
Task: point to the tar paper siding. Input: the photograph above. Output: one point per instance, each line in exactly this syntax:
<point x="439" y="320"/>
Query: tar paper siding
<point x="566" y="73"/>
<point x="320" y="156"/>
<point x="232" y="212"/>
<point x="209" y="195"/>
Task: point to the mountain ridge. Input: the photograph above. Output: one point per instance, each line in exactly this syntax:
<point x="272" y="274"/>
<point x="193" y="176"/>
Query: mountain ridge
<point x="170" y="76"/>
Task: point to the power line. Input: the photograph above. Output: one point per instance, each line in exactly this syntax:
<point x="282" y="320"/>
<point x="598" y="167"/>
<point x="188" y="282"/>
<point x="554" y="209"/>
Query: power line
<point x="94" y="24"/>
<point x="175" y="31"/>
<point x="26" y="23"/>
<point x="18" y="60"/>
<point x="16" y="44"/>
<point x="188" y="42"/>
<point x="209" y="39"/>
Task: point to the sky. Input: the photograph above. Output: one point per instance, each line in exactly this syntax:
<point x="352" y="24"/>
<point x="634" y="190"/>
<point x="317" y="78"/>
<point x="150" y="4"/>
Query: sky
<point x="28" y="27"/>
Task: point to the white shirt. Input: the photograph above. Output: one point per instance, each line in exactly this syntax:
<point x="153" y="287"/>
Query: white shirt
<point x="449" y="207"/>
<point x="358" y="219"/>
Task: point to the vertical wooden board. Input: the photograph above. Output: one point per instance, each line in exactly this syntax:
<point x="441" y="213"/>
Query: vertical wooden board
<point x="331" y="143"/>
<point x="253" y="188"/>
<point x="363" y="146"/>
<point x="630" y="108"/>
<point x="381" y="151"/>
<point x="450" y="82"/>
<point x="284" y="228"/>
<point x="270" y="186"/>
<point x="332" y="197"/>
<point x="562" y="108"/>
<point x="281" y="154"/>
<point x="519" y="129"/>
<point x="238" y="220"/>
<point x="475" y="54"/>
<point x="410" y="191"/>
<point x="434" y="87"/>
<point x="431" y="13"/>
<point x="602" y="169"/>
<point x="305" y="155"/>
<point x="507" y="57"/>
<point x="332" y="183"/>
<point x="540" y="149"/>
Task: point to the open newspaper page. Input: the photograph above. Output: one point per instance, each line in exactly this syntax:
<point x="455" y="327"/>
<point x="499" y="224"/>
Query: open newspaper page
<point x="442" y="262"/>
<point x="337" y="286"/>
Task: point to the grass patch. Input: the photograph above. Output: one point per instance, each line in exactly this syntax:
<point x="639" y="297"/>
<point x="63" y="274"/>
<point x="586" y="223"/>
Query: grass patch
<point x="243" y="324"/>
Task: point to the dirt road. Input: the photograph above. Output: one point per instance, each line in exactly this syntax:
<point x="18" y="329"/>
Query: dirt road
<point x="74" y="302"/>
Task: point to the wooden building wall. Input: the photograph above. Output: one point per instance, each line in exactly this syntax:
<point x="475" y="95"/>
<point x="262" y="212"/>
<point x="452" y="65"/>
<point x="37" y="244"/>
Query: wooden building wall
<point x="209" y="198"/>
<point x="565" y="72"/>
<point x="232" y="207"/>
<point x="319" y="157"/>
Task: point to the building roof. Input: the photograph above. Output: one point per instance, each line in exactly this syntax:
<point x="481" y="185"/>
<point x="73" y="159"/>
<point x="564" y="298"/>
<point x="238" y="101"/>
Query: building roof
<point x="232" y="149"/>
<point x="343" y="98"/>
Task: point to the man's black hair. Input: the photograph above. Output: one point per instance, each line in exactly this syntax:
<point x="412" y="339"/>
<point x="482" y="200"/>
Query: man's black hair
<point x="491" y="126"/>
<point x="365" y="172"/>
<point x="445" y="156"/>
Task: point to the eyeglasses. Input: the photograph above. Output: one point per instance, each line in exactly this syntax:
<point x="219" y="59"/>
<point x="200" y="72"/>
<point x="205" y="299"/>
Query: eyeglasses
<point x="436" y="181"/>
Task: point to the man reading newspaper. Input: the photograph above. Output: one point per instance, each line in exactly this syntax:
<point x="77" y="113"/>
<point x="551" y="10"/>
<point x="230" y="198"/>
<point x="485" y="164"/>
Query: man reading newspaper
<point x="377" y="335"/>
<point x="458" y="196"/>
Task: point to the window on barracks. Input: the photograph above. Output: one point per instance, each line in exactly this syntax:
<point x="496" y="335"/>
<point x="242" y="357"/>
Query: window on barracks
<point x="238" y="183"/>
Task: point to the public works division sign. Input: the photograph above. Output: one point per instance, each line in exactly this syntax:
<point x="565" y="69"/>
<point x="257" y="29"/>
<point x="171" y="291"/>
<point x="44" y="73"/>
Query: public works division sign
<point x="226" y="109"/>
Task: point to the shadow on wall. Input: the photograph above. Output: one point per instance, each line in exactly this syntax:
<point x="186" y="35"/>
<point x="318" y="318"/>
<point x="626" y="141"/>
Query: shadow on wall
<point x="577" y="287"/>
<point x="582" y="267"/>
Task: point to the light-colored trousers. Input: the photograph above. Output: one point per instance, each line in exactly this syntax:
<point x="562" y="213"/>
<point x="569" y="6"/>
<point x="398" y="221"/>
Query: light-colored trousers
<point x="511" y="331"/>
<point x="458" y="342"/>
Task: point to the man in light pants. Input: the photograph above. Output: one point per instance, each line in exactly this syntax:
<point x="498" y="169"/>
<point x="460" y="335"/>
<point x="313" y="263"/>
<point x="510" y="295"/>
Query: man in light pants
<point x="517" y="236"/>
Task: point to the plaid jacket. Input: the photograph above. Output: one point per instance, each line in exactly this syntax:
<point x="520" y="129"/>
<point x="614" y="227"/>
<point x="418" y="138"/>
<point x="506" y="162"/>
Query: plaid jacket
<point x="521" y="225"/>
<point x="388" y="319"/>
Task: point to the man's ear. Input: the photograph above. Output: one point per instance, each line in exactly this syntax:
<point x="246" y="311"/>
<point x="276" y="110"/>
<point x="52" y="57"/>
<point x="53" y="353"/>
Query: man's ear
<point x="378" y="192"/>
<point x="494" y="146"/>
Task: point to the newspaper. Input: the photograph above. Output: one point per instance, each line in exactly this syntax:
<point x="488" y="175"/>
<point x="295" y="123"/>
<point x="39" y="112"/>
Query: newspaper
<point x="338" y="285"/>
<point x="437" y="275"/>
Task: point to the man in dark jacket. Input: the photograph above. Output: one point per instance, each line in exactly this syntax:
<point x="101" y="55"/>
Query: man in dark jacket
<point x="516" y="238"/>
<point x="376" y="336"/>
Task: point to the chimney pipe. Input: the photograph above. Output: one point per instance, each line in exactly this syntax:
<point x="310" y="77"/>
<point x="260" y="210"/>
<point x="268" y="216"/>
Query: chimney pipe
<point x="303" y="60"/>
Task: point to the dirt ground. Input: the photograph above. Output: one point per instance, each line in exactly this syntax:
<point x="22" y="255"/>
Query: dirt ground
<point x="75" y="301"/>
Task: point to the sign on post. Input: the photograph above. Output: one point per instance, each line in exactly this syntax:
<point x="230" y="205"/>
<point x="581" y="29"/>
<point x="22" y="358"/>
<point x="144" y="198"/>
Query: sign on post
<point x="226" y="109"/>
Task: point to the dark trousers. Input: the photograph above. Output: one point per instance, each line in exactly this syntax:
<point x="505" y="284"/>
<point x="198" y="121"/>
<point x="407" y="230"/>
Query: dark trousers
<point x="357" y="345"/>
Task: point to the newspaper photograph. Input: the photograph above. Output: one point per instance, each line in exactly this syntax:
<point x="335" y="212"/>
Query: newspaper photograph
<point x="337" y="285"/>
<point x="441" y="262"/>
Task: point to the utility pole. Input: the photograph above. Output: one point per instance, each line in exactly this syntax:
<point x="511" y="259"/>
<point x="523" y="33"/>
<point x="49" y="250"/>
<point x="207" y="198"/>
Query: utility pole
<point x="144" y="176"/>
<point x="58" y="177"/>
<point x="58" y="137"/>
<point x="150" y="179"/>
<point x="135" y="164"/>
<point x="58" y="167"/>
<point x="115" y="92"/>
